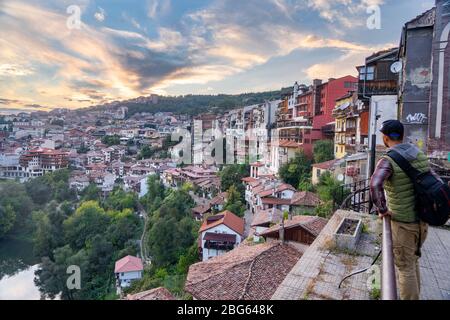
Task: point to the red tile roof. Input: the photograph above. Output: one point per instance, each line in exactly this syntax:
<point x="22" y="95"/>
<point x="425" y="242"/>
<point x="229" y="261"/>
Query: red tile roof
<point x="276" y="201"/>
<point x="227" y="218"/>
<point x="202" y="209"/>
<point x="305" y="198"/>
<point x="257" y="164"/>
<point x="249" y="272"/>
<point x="310" y="223"/>
<point x="219" y="199"/>
<point x="289" y="144"/>
<point x="280" y="188"/>
<point x="264" y="217"/>
<point x="128" y="264"/>
<point x="328" y="165"/>
<point x="154" y="294"/>
<point x="249" y="179"/>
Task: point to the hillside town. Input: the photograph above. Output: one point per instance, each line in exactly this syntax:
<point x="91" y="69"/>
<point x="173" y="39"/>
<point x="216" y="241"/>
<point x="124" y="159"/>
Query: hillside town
<point x="253" y="236"/>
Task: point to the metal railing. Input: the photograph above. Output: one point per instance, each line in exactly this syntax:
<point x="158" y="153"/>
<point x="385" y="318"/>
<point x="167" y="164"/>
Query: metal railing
<point x="388" y="279"/>
<point x="359" y="201"/>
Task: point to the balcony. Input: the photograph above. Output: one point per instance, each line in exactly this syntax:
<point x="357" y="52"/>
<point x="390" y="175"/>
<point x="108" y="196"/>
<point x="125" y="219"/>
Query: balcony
<point x="386" y="87"/>
<point x="223" y="246"/>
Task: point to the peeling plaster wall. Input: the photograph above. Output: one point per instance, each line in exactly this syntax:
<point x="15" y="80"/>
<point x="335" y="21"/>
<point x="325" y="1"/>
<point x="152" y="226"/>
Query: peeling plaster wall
<point x="415" y="92"/>
<point x="439" y="147"/>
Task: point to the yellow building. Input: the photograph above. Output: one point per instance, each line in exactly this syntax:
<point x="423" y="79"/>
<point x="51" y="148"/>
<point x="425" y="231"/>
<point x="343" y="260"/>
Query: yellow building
<point x="340" y="134"/>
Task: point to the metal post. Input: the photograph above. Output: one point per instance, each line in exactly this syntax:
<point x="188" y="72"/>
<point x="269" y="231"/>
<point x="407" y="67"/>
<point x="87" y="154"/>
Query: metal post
<point x="388" y="279"/>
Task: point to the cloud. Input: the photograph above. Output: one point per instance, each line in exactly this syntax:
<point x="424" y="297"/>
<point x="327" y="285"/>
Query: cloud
<point x="7" y="69"/>
<point x="158" y="8"/>
<point x="100" y="16"/>
<point x="344" y="64"/>
<point x="342" y="13"/>
<point x="8" y="101"/>
<point x="206" y="44"/>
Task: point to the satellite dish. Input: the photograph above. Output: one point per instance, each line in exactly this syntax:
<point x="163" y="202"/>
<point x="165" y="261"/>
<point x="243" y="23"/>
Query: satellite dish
<point x="340" y="177"/>
<point x="396" y="67"/>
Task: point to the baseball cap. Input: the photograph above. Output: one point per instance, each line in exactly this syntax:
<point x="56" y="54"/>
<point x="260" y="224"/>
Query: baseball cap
<point x="394" y="129"/>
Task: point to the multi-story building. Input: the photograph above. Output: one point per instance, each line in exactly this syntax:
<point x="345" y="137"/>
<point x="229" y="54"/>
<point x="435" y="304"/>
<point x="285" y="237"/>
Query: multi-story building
<point x="423" y="91"/>
<point x="352" y="121"/>
<point x="310" y="119"/>
<point x="37" y="162"/>
<point x="219" y="234"/>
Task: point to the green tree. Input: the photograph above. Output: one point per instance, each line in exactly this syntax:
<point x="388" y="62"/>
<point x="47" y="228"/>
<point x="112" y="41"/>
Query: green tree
<point x="232" y="175"/>
<point x="323" y="151"/>
<point x="234" y="202"/>
<point x="111" y="140"/>
<point x="39" y="191"/>
<point x="91" y="193"/>
<point x="188" y="259"/>
<point x="331" y="192"/>
<point x="7" y="220"/>
<point x="14" y="194"/>
<point x="120" y="200"/>
<point x="146" y="152"/>
<point x="297" y="170"/>
<point x="88" y="221"/>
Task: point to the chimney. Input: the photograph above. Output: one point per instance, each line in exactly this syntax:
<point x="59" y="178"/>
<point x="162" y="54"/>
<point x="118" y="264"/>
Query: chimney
<point x="317" y="82"/>
<point x="281" y="232"/>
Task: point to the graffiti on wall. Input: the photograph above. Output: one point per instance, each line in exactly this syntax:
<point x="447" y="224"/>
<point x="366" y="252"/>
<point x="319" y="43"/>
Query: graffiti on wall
<point x="420" y="77"/>
<point x="418" y="137"/>
<point x="417" y="118"/>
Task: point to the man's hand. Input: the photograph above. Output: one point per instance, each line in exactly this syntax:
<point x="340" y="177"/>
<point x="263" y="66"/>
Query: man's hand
<point x="386" y="214"/>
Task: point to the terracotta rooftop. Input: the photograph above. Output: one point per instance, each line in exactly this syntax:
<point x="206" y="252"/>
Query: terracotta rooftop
<point x="249" y="179"/>
<point x="227" y="218"/>
<point x="128" y="264"/>
<point x="310" y="223"/>
<point x="219" y="199"/>
<point x="202" y="209"/>
<point x="264" y="217"/>
<point x="245" y="273"/>
<point x="280" y="188"/>
<point x="305" y="198"/>
<point x="289" y="144"/>
<point x="154" y="294"/>
<point x="326" y="165"/>
<point x="257" y="164"/>
<point x="276" y="201"/>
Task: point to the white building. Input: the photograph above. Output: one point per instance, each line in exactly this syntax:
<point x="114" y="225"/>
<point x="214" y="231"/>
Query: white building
<point x="127" y="270"/>
<point x="220" y="234"/>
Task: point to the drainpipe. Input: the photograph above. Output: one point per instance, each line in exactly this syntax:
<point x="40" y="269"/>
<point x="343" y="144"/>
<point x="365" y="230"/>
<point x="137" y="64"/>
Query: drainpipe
<point x="440" y="98"/>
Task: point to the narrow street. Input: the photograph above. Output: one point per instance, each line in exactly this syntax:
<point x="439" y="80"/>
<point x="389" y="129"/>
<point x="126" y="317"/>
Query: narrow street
<point x="143" y="250"/>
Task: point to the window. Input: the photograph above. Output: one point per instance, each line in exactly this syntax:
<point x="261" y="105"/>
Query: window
<point x="369" y="75"/>
<point x="349" y="85"/>
<point x="318" y="173"/>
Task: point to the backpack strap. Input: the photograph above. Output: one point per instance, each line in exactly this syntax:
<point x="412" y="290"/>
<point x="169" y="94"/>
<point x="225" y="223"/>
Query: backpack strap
<point x="404" y="164"/>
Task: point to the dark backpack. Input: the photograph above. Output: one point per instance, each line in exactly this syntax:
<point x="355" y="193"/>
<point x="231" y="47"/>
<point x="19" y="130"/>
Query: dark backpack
<point x="432" y="195"/>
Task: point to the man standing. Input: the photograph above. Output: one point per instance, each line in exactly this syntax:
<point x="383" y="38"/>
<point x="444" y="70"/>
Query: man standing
<point x="408" y="232"/>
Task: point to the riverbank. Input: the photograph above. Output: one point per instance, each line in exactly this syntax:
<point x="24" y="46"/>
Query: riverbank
<point x="17" y="267"/>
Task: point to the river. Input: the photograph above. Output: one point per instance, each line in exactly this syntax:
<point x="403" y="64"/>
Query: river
<point x="17" y="267"/>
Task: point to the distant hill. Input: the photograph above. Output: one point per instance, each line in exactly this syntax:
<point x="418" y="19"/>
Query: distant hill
<point x="195" y="104"/>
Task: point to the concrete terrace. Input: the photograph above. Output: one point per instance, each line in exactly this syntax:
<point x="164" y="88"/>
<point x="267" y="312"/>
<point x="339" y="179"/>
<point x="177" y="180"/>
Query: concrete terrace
<point x="317" y="274"/>
<point x="434" y="265"/>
